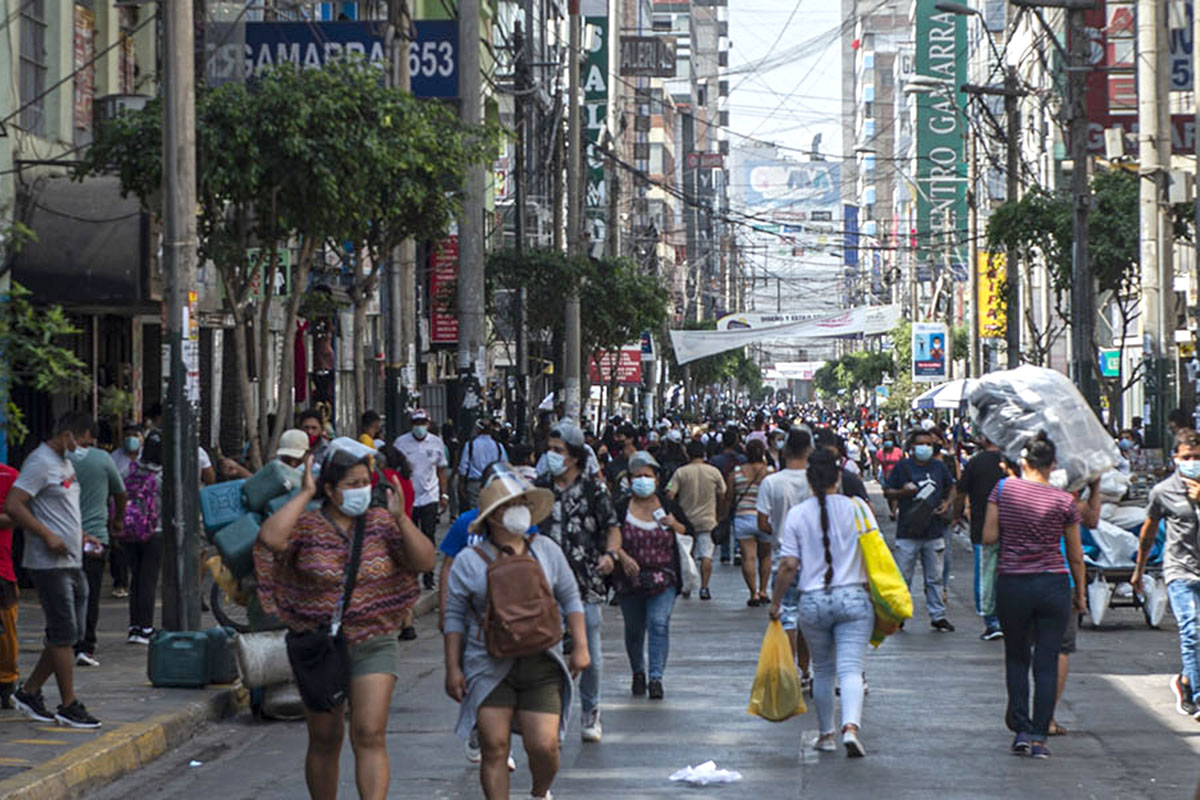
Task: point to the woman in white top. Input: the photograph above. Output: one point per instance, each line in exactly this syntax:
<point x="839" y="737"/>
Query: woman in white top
<point x="820" y="541"/>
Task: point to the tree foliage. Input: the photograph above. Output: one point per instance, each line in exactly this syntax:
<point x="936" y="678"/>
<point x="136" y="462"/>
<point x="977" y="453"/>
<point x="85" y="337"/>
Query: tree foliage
<point x="328" y="161"/>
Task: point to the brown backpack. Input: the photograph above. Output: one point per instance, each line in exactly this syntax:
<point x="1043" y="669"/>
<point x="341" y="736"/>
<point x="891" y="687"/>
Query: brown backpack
<point x="521" y="617"/>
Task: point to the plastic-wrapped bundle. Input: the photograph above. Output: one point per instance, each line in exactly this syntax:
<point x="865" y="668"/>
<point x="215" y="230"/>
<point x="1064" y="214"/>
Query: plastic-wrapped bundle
<point x="1010" y="407"/>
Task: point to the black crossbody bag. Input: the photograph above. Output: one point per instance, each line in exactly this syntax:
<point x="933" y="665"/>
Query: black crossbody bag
<point x="320" y="658"/>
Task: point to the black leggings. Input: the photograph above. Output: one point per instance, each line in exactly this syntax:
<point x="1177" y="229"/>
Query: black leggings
<point x="145" y="561"/>
<point x="1034" y="611"/>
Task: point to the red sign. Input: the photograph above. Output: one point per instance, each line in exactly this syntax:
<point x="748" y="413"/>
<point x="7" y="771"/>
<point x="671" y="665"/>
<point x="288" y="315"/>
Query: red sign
<point x="628" y="366"/>
<point x="85" y="70"/>
<point x="1111" y="97"/>
<point x="443" y="277"/>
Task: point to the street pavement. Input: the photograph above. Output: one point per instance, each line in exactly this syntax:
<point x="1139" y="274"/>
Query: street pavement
<point x="932" y="723"/>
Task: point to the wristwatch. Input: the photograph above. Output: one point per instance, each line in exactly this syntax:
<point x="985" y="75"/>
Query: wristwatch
<point x="613" y="555"/>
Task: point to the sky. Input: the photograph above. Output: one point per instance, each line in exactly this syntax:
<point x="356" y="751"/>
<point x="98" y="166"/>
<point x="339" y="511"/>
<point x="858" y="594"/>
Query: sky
<point x="793" y="101"/>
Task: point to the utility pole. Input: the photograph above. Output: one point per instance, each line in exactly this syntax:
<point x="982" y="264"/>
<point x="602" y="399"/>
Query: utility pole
<point x="974" y="369"/>
<point x="1083" y="303"/>
<point x="470" y="225"/>
<point x="401" y="280"/>
<point x="1152" y="317"/>
<point x="521" y="45"/>
<point x="1012" y="275"/>
<point x="572" y="358"/>
<point x="181" y="546"/>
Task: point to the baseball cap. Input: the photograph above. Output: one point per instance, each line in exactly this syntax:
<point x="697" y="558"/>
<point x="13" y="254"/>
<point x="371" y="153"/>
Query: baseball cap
<point x="293" y="443"/>
<point x="419" y="415"/>
<point x="569" y="432"/>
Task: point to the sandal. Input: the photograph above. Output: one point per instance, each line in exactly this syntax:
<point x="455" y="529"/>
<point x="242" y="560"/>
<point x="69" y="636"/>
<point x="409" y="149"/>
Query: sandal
<point x="1056" y="729"/>
<point x="753" y="602"/>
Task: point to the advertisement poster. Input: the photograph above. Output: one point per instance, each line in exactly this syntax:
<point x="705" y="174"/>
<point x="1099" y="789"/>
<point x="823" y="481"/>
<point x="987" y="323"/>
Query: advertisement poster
<point x="627" y="362"/>
<point x="992" y="308"/>
<point x="443" y="277"/>
<point x="929" y="342"/>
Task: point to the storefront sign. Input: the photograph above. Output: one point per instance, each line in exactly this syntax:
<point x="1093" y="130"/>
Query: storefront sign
<point x="627" y="363"/>
<point x="443" y="279"/>
<point x="647" y="56"/>
<point x="990" y="280"/>
<point x="595" y="119"/>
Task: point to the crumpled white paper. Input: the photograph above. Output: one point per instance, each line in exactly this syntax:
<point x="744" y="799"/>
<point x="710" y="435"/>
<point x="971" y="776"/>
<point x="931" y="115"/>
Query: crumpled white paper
<point x="705" y="774"/>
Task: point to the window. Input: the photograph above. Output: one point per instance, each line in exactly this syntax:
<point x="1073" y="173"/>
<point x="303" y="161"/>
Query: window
<point x="33" y="66"/>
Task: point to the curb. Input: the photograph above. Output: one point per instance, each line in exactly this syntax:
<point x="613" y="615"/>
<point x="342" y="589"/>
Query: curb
<point x="117" y="752"/>
<point x="135" y="744"/>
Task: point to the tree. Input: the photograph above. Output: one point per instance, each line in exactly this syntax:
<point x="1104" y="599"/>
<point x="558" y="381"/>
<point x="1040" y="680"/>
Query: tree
<point x="313" y="159"/>
<point x="1114" y="259"/>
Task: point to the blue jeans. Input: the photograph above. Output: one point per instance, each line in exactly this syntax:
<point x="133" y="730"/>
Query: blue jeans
<point x="589" y="681"/>
<point x="1034" y="612"/>
<point x="789" y="607"/>
<point x="988" y="619"/>
<point x="1185" y="605"/>
<point x="837" y="624"/>
<point x="907" y="553"/>
<point x="648" y="617"/>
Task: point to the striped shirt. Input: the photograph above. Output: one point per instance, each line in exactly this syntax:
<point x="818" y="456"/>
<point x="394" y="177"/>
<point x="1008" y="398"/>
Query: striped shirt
<point x="1032" y="519"/>
<point x="745" y="492"/>
<point x="302" y="584"/>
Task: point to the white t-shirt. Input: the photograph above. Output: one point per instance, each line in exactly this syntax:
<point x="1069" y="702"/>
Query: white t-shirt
<point x="425" y="457"/>
<point x="778" y="493"/>
<point x="802" y="539"/>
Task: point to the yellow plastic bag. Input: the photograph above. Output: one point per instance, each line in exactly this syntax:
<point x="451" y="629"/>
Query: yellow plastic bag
<point x="889" y="591"/>
<point x="776" y="693"/>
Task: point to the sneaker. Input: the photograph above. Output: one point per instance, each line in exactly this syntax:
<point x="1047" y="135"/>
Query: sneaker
<point x="1183" y="697"/>
<point x="656" y="690"/>
<point x="592" y="729"/>
<point x="1020" y="744"/>
<point x="86" y="660"/>
<point x="474" y="754"/>
<point x="826" y="743"/>
<point x="137" y="637"/>
<point x="408" y="633"/>
<point x="942" y="624"/>
<point x="639" y="684"/>
<point x="991" y="634"/>
<point x="1039" y="750"/>
<point x="705" y="594"/>
<point x="546" y="796"/>
<point x="120" y="592"/>
<point x="854" y="748"/>
<point x="32" y="705"/>
<point x="76" y="716"/>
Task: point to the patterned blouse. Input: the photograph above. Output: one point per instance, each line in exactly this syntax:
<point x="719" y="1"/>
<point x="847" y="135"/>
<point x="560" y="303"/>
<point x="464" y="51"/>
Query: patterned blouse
<point x="653" y="548"/>
<point x="302" y="584"/>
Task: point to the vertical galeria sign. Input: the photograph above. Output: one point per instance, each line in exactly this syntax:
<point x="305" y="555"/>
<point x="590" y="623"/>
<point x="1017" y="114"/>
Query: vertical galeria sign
<point x="595" y="117"/>
<point x="941" y="131"/>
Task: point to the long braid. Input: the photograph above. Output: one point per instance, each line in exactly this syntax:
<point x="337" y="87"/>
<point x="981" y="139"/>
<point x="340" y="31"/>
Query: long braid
<point x="825" y="539"/>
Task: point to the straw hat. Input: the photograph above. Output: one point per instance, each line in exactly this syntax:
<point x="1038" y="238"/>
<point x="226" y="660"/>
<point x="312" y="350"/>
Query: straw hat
<point x="506" y="484"/>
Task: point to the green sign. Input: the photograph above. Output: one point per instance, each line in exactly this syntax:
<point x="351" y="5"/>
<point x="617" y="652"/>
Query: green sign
<point x="1110" y="363"/>
<point x="941" y="171"/>
<point x="595" y="117"/>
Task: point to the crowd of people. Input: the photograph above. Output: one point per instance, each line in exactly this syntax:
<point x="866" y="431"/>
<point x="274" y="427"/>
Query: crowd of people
<point x="543" y="537"/>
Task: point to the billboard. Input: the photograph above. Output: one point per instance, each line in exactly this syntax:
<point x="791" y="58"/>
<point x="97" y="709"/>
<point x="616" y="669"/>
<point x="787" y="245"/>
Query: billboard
<point x="929" y="342"/>
<point x="990" y="283"/>
<point x="595" y="120"/>
<point x="238" y="51"/>
<point x="941" y="135"/>
<point x="779" y="183"/>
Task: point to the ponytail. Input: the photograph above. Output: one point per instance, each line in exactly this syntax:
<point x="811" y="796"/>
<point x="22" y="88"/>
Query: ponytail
<point x="825" y="539"/>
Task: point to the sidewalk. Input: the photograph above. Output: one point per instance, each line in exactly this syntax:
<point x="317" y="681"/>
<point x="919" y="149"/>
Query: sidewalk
<point x="140" y="722"/>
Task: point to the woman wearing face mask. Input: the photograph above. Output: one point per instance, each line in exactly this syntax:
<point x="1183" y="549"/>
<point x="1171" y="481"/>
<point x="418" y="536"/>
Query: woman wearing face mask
<point x="533" y="690"/>
<point x="1029" y="518"/>
<point x="300" y="560"/>
<point x="648" y="580"/>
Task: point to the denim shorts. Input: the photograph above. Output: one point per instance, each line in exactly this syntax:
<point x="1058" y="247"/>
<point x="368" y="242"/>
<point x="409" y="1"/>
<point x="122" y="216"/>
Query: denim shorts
<point x="745" y="526"/>
<point x="63" y="594"/>
<point x="789" y="609"/>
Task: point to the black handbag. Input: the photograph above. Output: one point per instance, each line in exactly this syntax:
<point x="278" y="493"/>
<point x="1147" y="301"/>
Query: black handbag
<point x="320" y="658"/>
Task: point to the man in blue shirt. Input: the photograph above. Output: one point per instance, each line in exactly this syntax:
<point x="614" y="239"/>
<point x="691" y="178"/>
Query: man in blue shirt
<point x="479" y="452"/>
<point x="925" y="490"/>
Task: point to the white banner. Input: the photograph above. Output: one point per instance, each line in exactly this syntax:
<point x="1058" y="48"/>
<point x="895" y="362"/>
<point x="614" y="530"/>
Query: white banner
<point x="863" y="320"/>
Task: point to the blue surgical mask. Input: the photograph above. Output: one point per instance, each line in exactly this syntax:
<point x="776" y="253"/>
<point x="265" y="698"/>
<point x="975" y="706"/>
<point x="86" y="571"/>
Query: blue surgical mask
<point x="132" y="444"/>
<point x="78" y="454"/>
<point x="642" y="486"/>
<point x="888" y="443"/>
<point x="556" y="463"/>
<point x="420" y="431"/>
<point x="1188" y="469"/>
<point x="923" y="452"/>
<point x="355" y="502"/>
<point x="1125" y="444"/>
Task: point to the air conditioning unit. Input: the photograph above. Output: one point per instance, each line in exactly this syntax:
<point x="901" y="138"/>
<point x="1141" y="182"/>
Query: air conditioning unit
<point x="112" y="105"/>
